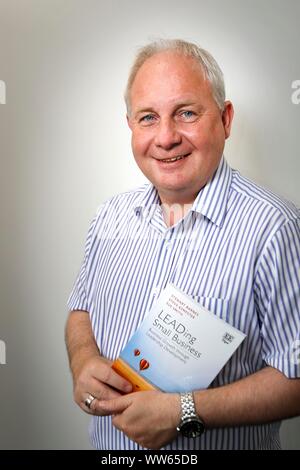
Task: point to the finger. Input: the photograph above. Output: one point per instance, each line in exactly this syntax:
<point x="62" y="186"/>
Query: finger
<point x="87" y="402"/>
<point x="111" y="407"/>
<point x="107" y="375"/>
<point x="91" y="408"/>
<point x="97" y="408"/>
<point x="102" y="391"/>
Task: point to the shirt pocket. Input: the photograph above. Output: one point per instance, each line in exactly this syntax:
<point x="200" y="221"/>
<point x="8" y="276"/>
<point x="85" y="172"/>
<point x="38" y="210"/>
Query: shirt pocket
<point x="219" y="307"/>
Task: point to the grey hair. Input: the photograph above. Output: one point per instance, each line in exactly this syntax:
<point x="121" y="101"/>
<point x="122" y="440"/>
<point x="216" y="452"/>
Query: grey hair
<point x="209" y="66"/>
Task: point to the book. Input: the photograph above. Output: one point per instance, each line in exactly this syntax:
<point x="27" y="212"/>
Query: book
<point x="180" y="346"/>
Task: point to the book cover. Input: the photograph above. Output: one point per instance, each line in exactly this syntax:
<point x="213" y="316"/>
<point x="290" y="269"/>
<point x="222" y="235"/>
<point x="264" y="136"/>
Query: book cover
<point x="180" y="346"/>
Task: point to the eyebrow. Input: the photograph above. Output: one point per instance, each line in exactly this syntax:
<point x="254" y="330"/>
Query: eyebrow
<point x="144" y="110"/>
<point x="177" y="106"/>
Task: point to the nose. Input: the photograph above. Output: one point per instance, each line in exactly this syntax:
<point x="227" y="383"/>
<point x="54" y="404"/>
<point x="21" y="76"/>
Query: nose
<point x="167" y="135"/>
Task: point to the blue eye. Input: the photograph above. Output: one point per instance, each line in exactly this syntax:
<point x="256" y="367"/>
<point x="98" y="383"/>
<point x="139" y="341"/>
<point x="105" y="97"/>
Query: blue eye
<point x="147" y="118"/>
<point x="188" y="114"/>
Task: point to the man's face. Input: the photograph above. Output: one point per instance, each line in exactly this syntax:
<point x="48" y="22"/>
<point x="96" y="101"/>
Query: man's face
<point x="178" y="131"/>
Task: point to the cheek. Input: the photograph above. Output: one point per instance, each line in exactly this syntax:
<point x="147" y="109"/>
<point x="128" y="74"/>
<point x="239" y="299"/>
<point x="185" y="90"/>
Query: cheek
<point x="140" y="143"/>
<point x="197" y="133"/>
<point x="199" y="138"/>
<point x="205" y="137"/>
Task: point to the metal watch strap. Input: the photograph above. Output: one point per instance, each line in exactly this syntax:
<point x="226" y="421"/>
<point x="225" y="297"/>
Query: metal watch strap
<point x="187" y="405"/>
<point x="191" y="425"/>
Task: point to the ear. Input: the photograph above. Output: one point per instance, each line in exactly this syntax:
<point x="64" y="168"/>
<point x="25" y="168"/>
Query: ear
<point x="227" y="117"/>
<point x="129" y="122"/>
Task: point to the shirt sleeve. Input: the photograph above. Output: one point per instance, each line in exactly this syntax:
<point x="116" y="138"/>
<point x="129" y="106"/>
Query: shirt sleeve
<point x="277" y="288"/>
<point x="78" y="299"/>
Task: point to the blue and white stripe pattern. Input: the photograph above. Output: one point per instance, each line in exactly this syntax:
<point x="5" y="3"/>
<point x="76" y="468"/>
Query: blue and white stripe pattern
<point x="237" y="252"/>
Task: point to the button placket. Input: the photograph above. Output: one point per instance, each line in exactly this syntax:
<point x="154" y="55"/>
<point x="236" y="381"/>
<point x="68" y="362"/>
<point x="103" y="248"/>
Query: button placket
<point x="166" y="245"/>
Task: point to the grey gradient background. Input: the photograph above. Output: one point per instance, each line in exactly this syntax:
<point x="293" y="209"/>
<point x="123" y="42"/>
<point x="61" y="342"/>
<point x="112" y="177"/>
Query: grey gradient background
<point x="65" y="148"/>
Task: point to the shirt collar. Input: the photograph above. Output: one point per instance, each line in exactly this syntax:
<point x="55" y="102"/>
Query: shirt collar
<point x="147" y="200"/>
<point x="211" y="200"/>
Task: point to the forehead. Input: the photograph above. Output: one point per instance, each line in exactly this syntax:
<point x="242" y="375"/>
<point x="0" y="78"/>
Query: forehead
<point x="169" y="76"/>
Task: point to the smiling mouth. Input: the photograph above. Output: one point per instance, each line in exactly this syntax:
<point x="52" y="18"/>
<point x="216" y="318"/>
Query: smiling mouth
<point x="173" y="159"/>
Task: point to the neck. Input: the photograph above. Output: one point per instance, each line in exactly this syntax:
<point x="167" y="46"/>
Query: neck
<point x="174" y="211"/>
<point x="179" y="198"/>
<point x="175" y="206"/>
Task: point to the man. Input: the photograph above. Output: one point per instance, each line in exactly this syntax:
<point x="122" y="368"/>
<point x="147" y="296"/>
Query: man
<point x="218" y="237"/>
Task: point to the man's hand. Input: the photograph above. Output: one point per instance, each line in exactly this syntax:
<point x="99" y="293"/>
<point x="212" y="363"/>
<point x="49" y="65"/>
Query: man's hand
<point x="92" y="373"/>
<point x="148" y="418"/>
<point x="97" y="378"/>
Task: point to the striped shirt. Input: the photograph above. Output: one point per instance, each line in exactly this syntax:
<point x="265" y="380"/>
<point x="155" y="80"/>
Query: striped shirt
<point x="236" y="252"/>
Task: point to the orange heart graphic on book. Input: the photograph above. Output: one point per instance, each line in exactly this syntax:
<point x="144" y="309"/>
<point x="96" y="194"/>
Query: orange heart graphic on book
<point x="137" y="352"/>
<point x="144" y="364"/>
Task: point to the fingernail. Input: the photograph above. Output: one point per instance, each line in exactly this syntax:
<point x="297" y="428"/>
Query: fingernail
<point x="128" y="388"/>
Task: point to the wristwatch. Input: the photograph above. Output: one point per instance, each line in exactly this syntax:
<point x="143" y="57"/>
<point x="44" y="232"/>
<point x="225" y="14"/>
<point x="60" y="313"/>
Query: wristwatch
<point x="190" y="424"/>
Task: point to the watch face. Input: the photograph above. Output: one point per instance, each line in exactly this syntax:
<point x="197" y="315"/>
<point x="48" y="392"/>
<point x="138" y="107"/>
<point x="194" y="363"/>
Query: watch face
<point x="192" y="427"/>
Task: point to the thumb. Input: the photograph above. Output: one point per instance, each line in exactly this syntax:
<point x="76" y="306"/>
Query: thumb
<point x="114" y="406"/>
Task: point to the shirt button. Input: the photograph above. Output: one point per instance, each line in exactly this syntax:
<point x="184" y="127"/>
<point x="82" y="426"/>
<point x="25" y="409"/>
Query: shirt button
<point x="156" y="291"/>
